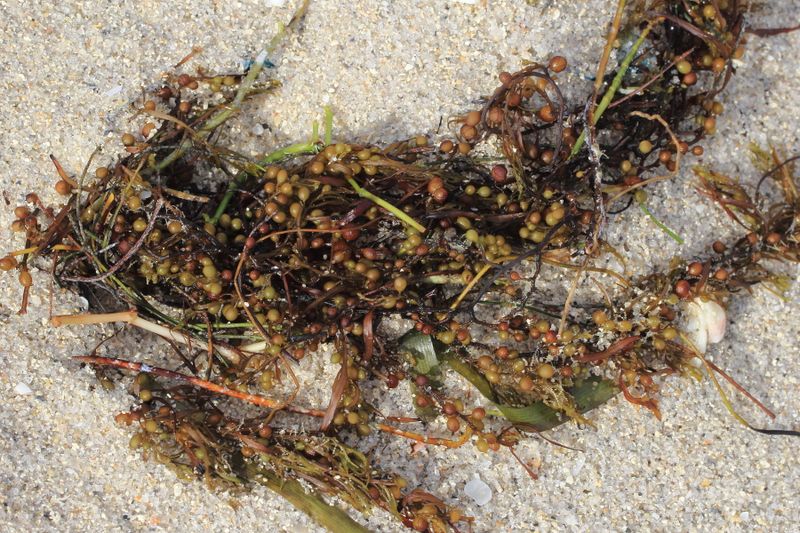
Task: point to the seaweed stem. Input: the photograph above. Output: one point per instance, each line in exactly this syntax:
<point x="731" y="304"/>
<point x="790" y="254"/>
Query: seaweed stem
<point x="677" y="238"/>
<point x="615" y="85"/>
<point x="436" y="441"/>
<point x="741" y="389"/>
<point x="474" y="281"/>
<point x="197" y="382"/>
<point x="397" y="212"/>
<point x="133" y="318"/>
<point x="328" y="125"/>
<point x="612" y="36"/>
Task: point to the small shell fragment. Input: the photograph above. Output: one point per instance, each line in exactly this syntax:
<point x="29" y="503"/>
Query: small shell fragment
<point x="705" y="323"/>
<point x="22" y="389"/>
<point x="114" y="91"/>
<point x="478" y="491"/>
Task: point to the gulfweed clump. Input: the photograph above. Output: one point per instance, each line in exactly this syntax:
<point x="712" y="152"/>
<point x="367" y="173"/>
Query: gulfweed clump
<point x="328" y="241"/>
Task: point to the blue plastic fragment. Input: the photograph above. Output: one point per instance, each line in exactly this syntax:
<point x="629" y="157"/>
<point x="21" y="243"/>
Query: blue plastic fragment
<point x="247" y="63"/>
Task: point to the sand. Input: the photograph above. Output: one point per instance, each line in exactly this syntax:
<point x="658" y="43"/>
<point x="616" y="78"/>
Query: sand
<point x="68" y="73"/>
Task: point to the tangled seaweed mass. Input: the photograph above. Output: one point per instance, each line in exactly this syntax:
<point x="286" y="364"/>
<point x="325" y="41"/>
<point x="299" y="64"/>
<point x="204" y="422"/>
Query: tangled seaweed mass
<point x="247" y="266"/>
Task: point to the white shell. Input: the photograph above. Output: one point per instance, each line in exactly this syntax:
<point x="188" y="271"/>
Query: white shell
<point x="478" y="491"/>
<point x="705" y="323"/>
<point x="22" y="389"/>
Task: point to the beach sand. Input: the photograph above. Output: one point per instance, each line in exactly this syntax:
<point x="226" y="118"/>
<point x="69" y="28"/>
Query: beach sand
<point x="68" y="75"/>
